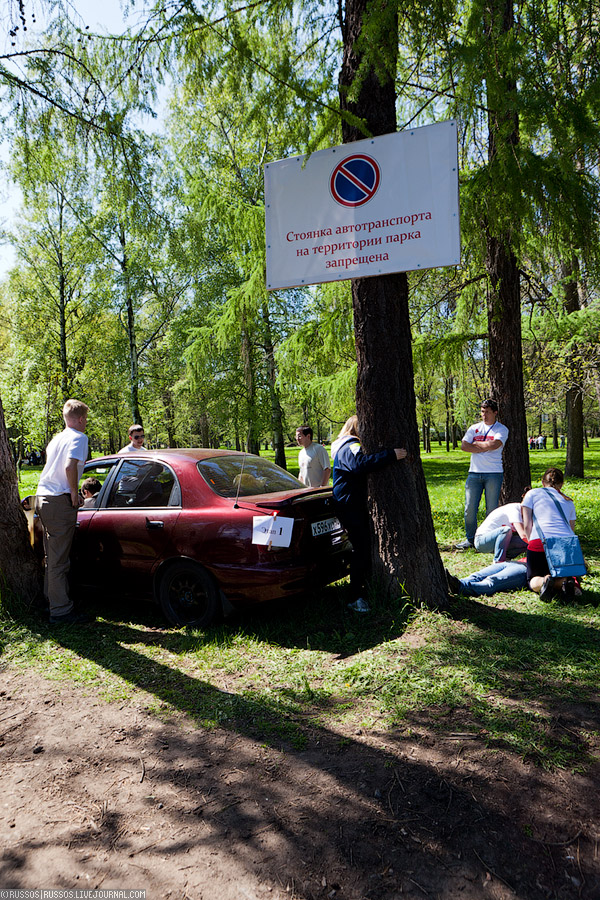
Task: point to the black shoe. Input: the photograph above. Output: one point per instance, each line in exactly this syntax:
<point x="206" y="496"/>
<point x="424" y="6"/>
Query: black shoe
<point x="72" y="618"/>
<point x="568" y="591"/>
<point x="453" y="583"/>
<point x="548" y="590"/>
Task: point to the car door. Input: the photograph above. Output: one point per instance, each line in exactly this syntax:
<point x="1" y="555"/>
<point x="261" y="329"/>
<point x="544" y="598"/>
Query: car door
<point x="121" y="541"/>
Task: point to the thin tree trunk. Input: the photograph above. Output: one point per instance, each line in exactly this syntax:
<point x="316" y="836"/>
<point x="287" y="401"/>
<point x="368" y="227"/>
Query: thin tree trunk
<point x="404" y="550"/>
<point x="574" y="464"/>
<point x="276" y="410"/>
<point x="252" y="439"/>
<point x="130" y="328"/>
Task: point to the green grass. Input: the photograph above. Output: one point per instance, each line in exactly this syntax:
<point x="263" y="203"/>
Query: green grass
<point x="511" y="670"/>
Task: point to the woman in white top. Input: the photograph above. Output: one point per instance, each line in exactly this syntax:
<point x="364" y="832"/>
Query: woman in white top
<point x="543" y="502"/>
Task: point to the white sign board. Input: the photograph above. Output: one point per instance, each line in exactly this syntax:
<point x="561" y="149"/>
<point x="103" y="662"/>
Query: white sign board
<point x="386" y="204"/>
<point x="272" y="531"/>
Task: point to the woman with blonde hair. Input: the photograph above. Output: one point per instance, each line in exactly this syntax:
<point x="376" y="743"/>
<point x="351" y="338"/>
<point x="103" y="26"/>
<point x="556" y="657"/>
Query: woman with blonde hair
<point x="350" y="469"/>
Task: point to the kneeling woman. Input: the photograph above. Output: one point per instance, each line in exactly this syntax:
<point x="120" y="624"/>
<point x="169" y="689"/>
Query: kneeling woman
<point x="542" y="517"/>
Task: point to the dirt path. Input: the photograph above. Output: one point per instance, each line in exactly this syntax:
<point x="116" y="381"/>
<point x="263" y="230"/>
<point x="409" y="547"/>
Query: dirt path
<point x="105" y="795"/>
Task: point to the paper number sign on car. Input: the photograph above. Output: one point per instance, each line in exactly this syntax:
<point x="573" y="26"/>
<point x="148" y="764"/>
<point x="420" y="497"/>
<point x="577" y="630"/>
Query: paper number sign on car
<point x="272" y="530"/>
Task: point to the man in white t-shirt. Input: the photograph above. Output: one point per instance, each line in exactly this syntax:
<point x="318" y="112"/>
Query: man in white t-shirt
<point x="136" y="439"/>
<point x="313" y="459"/>
<point x="484" y="441"/>
<point x="56" y="504"/>
<point x="502" y="533"/>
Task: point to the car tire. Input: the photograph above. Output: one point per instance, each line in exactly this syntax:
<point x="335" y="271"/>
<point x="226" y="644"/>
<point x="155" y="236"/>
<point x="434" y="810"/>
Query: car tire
<point x="188" y="595"/>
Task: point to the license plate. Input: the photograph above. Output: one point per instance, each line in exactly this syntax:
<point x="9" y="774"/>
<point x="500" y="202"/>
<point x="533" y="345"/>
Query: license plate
<point x="325" y="527"/>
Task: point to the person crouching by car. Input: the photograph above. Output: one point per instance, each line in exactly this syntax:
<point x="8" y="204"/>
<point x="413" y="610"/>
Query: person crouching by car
<point x="350" y="469"/>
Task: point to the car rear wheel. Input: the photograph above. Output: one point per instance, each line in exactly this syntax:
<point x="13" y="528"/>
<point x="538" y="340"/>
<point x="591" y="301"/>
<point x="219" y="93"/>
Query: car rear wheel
<point x="188" y="595"/>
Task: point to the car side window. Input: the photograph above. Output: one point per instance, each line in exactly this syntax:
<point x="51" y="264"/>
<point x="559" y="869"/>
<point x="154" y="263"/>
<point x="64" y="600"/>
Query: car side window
<point x="93" y="478"/>
<point x="143" y="483"/>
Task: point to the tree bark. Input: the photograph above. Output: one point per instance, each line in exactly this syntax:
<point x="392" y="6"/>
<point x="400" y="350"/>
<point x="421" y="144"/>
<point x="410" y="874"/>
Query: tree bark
<point x="276" y="411"/>
<point x="130" y="328"/>
<point x="504" y="292"/>
<point x="574" y="463"/>
<point x="252" y="435"/>
<point x="19" y="570"/>
<point x="404" y="550"/>
<point x="506" y="364"/>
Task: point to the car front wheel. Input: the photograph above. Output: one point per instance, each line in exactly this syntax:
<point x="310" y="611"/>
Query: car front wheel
<point x="188" y="595"/>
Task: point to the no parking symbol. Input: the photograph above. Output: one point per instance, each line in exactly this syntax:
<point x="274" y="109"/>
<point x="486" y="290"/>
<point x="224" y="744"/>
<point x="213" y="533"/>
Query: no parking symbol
<point x="355" y="180"/>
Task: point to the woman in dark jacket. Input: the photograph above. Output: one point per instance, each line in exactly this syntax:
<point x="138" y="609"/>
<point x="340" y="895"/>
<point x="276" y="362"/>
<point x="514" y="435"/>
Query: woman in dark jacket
<point x="350" y="469"/>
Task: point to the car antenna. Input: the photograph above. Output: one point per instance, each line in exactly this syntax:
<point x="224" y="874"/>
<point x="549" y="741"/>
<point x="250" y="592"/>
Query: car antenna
<point x="239" y="487"/>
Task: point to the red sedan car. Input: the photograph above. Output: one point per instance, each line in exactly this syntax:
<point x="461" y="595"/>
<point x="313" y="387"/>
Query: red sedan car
<point x="203" y="530"/>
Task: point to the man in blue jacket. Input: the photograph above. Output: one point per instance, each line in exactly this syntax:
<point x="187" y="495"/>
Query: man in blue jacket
<point x="350" y="469"/>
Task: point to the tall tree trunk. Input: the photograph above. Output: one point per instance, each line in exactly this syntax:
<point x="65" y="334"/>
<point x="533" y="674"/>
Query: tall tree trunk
<point x="405" y="554"/>
<point x="62" y="325"/>
<point x="19" y="570"/>
<point x="252" y="438"/>
<point x="450" y="423"/>
<point x="554" y="432"/>
<point x="506" y="364"/>
<point x="62" y="303"/>
<point x="276" y="410"/>
<point x="574" y="465"/>
<point x="504" y="293"/>
<point x="130" y="328"/>
<point x="204" y="430"/>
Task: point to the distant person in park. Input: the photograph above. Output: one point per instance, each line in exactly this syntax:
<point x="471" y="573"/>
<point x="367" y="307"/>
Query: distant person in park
<point x="484" y="441"/>
<point x="350" y="469"/>
<point x="313" y="459"/>
<point x="90" y="489"/>
<point x="504" y="576"/>
<point x="56" y="504"/>
<point x="502" y="532"/>
<point x="542" y="516"/>
<point x="136" y="439"/>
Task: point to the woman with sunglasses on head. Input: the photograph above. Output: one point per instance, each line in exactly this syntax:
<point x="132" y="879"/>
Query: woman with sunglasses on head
<point x="547" y="513"/>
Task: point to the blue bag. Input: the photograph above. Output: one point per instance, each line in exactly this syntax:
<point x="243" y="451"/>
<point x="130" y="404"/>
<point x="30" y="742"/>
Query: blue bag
<point x="564" y="556"/>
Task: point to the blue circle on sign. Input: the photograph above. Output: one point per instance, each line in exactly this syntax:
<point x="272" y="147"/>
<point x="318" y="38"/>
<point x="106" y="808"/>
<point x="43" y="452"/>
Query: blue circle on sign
<point x="355" y="180"/>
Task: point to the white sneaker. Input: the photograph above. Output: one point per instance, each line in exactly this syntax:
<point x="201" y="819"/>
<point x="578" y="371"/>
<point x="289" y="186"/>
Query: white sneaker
<point x="360" y="605"/>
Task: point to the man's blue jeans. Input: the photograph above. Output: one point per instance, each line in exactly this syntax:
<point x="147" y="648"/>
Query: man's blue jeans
<point x="477" y="483"/>
<point x="506" y="576"/>
<point x="503" y="542"/>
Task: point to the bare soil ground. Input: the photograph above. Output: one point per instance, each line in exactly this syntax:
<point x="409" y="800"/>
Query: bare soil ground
<point x="101" y="795"/>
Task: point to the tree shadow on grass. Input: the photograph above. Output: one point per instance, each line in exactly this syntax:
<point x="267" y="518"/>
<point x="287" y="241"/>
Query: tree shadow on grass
<point x="317" y="621"/>
<point x="364" y="820"/>
<point x="535" y="678"/>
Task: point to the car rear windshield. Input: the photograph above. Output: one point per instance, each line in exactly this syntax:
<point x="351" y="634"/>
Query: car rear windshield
<point x="244" y="476"/>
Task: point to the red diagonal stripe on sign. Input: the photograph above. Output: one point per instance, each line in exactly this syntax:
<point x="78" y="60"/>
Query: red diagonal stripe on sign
<point x="356" y="181"/>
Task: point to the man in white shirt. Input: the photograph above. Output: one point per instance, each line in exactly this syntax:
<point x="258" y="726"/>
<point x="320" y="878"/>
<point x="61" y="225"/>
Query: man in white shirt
<point x="484" y="441"/>
<point x="313" y="459"/>
<point x="502" y="533"/>
<point x="56" y="504"/>
<point x="136" y="439"/>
